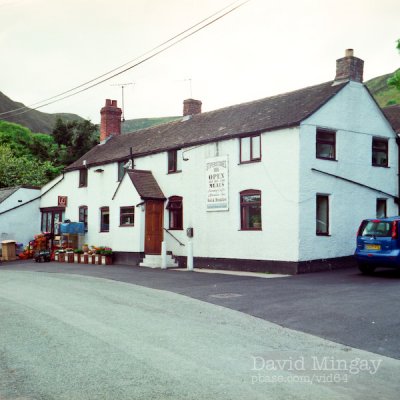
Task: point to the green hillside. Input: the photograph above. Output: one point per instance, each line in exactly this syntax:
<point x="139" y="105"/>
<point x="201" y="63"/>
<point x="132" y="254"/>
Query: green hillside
<point x="141" y="123"/>
<point x="383" y="94"/>
<point x="36" y="121"/>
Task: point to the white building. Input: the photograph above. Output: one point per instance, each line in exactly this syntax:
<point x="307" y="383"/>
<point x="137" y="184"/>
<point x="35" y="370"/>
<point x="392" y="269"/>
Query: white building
<point x="276" y="184"/>
<point x="19" y="217"/>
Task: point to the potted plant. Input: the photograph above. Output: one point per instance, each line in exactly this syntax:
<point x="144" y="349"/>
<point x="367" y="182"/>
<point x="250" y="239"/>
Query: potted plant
<point x="69" y="255"/>
<point x="85" y="248"/>
<point x="106" y="256"/>
<point x="77" y="255"/>
<point x="61" y="255"/>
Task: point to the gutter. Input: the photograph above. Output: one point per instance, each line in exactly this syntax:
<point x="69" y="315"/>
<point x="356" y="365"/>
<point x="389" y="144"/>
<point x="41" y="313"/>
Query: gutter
<point x="32" y="200"/>
<point x="396" y="198"/>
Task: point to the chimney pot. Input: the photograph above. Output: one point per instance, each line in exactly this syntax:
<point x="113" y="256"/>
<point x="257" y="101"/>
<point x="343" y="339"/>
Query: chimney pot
<point x="349" y="53"/>
<point x="191" y="107"/>
<point x="110" y="120"/>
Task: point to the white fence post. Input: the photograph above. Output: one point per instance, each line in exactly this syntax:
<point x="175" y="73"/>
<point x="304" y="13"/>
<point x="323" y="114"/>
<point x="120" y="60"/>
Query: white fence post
<point x="190" y="255"/>
<point x="163" y="255"/>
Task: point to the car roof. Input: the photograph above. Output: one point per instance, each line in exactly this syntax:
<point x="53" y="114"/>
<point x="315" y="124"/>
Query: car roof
<point x="386" y="219"/>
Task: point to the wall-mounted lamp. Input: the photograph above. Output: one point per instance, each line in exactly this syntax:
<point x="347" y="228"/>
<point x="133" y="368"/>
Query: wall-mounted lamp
<point x="99" y="170"/>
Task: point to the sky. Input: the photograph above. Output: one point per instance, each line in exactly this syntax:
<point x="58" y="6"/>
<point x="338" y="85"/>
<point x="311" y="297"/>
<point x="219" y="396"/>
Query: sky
<point x="261" y="49"/>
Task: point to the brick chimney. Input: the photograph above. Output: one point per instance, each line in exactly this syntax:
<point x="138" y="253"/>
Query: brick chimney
<point x="110" y="120"/>
<point x="191" y="107"/>
<point x="349" y="68"/>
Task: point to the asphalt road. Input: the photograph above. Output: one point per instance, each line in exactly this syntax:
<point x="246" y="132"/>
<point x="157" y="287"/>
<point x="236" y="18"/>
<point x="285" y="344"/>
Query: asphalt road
<point x="65" y="336"/>
<point x="343" y="305"/>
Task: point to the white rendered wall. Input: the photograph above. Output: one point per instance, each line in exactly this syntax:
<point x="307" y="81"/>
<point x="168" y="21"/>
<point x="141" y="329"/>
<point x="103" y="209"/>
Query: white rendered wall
<point x="22" y="223"/>
<point x="356" y="119"/>
<point x="216" y="234"/>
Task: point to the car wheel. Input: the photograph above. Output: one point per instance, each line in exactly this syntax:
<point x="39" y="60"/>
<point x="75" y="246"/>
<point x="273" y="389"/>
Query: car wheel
<point x="366" y="269"/>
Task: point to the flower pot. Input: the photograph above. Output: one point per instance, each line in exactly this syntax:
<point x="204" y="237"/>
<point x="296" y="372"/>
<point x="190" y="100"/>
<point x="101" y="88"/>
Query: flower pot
<point x="84" y="258"/>
<point x="69" y="258"/>
<point x="106" y="260"/>
<point x="61" y="257"/>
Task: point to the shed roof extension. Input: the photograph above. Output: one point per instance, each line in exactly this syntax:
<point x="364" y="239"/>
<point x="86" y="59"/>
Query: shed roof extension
<point x="145" y="184"/>
<point x="271" y="113"/>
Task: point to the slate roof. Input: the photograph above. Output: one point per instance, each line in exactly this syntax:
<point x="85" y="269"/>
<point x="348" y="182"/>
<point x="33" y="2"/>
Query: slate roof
<point x="7" y="192"/>
<point x="392" y="113"/>
<point x="145" y="184"/>
<point x="271" y="113"/>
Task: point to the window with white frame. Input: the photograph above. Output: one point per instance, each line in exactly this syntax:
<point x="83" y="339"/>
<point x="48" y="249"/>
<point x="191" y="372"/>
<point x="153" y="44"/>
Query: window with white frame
<point x="322" y="215"/>
<point x="250" y="148"/>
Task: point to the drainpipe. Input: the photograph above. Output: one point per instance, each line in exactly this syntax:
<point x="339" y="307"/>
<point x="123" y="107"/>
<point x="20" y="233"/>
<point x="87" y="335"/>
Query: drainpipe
<point x="398" y="172"/>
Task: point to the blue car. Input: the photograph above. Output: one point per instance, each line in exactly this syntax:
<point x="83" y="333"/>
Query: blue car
<point x="378" y="244"/>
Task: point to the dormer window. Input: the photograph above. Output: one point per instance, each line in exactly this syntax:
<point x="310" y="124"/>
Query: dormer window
<point x="83" y="177"/>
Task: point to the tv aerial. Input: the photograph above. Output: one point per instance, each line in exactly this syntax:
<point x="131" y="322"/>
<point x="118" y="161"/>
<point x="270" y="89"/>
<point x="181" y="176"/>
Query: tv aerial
<point x="122" y="86"/>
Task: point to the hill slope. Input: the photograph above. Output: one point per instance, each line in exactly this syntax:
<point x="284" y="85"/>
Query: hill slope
<point x="132" y="125"/>
<point x="384" y="95"/>
<point x="36" y="121"/>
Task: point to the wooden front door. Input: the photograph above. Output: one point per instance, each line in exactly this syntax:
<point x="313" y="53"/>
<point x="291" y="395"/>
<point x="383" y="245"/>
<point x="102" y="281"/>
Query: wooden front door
<point x="154" y="226"/>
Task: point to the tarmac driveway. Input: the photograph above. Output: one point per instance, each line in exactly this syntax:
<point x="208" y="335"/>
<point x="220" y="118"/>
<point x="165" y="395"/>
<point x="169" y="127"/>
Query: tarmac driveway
<point x="343" y="305"/>
<point x="75" y="337"/>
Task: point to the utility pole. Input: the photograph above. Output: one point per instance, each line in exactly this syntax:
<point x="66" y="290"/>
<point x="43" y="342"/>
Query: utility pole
<point x="122" y="86"/>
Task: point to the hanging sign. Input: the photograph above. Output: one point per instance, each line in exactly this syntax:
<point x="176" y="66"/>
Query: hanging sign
<point x="217" y="184"/>
<point x="62" y="201"/>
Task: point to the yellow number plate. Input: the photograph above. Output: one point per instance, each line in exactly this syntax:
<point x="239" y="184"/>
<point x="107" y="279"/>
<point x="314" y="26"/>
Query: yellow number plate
<point x="372" y="247"/>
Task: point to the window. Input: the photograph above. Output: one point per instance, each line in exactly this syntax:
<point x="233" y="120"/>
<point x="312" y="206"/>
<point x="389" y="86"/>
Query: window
<point x="381" y="208"/>
<point x="51" y="218"/>
<point x="104" y="219"/>
<point x="83" y="177"/>
<point x="175" y="209"/>
<point x="250" y="148"/>
<point x="121" y="170"/>
<point x="250" y="210"/>
<point x="172" y="164"/>
<point x="127" y="216"/>
<point x="322" y="217"/>
<point x="326" y="145"/>
<point x="83" y="216"/>
<point x="379" y="152"/>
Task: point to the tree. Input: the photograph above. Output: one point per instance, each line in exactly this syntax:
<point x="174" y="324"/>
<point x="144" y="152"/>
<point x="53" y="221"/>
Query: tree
<point x="74" y="138"/>
<point x="23" y="170"/>
<point x="395" y="79"/>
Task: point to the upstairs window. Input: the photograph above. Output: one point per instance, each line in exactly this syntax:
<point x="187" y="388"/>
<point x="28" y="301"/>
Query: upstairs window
<point x="322" y="215"/>
<point x="379" y="152"/>
<point x="175" y="210"/>
<point x="127" y="216"/>
<point x="83" y="177"/>
<point x="172" y="161"/>
<point x="250" y="210"/>
<point x="83" y="216"/>
<point x="326" y="145"/>
<point x="104" y="219"/>
<point x="250" y="148"/>
<point x="381" y="208"/>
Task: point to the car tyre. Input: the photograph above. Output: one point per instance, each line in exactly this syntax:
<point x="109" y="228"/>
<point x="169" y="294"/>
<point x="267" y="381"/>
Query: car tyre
<point x="366" y="269"/>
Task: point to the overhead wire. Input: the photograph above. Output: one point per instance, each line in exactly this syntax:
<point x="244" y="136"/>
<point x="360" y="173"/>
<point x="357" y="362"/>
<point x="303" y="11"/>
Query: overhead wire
<point x="83" y="87"/>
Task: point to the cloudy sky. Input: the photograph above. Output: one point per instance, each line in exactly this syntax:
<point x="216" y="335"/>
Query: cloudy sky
<point x="263" y="48"/>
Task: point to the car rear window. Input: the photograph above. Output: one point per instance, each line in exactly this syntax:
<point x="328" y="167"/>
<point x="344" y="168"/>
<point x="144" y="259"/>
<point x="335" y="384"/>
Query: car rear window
<point x="377" y="229"/>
